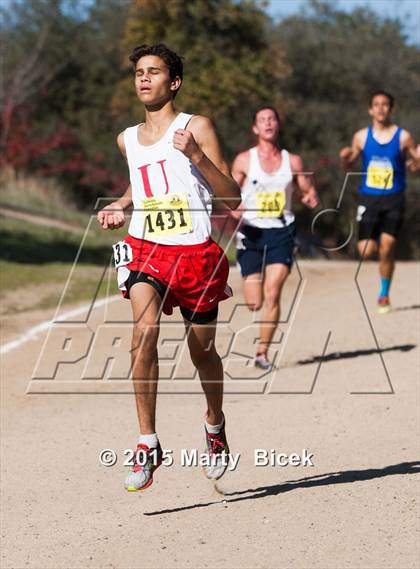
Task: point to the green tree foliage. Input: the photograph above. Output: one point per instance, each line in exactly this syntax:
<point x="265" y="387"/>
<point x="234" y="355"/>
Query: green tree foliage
<point x="229" y="66"/>
<point x="61" y="65"/>
<point x="100" y="71"/>
<point x="35" y="48"/>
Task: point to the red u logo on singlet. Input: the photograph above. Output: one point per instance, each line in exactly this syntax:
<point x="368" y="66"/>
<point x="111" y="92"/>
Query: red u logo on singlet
<point x="146" y="181"/>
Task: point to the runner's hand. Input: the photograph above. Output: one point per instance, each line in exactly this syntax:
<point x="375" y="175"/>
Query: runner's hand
<point x="412" y="165"/>
<point x="346" y="154"/>
<point x="111" y="216"/>
<point x="236" y="213"/>
<point x="309" y="200"/>
<point x="185" y="142"/>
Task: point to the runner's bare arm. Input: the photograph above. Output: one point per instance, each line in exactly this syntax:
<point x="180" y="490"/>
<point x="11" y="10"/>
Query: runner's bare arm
<point x="240" y="168"/>
<point x="303" y="182"/>
<point x="112" y="216"/>
<point x="201" y="146"/>
<point x="349" y="154"/>
<point x="408" y="145"/>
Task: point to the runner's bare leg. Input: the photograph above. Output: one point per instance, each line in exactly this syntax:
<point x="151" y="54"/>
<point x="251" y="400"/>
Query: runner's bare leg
<point x="387" y="245"/>
<point x="146" y="304"/>
<point x="274" y="278"/>
<point x="253" y="291"/>
<point x="201" y="339"/>
<point x="367" y="248"/>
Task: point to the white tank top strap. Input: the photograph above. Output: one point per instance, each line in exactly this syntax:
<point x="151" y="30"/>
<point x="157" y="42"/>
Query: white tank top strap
<point x="180" y="121"/>
<point x="285" y="159"/>
<point x="130" y="139"/>
<point x="183" y="119"/>
<point x="254" y="165"/>
<point x="253" y="153"/>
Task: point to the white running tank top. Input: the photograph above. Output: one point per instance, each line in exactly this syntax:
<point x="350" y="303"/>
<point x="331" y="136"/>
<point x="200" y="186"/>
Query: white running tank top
<point x="160" y="177"/>
<point x="257" y="182"/>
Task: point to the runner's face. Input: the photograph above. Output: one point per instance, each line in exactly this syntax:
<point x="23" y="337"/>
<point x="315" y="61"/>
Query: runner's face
<point x="266" y="125"/>
<point x="152" y="80"/>
<point x="380" y="109"/>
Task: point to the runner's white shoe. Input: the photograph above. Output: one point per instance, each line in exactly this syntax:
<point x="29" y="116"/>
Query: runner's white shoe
<point x="146" y="461"/>
<point x="384" y="306"/>
<point x="218" y="452"/>
<point x="262" y="362"/>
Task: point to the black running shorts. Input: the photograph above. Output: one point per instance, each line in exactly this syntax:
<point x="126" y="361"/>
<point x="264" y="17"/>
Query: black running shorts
<point x="380" y="214"/>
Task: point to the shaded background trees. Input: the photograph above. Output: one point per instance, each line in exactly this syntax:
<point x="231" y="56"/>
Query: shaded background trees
<point x="230" y="66"/>
<point x="67" y="88"/>
<point x="337" y="61"/>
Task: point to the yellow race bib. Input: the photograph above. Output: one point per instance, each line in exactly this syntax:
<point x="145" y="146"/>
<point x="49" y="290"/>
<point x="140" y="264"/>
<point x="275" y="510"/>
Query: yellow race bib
<point x="270" y="204"/>
<point x="167" y="215"/>
<point x="380" y="177"/>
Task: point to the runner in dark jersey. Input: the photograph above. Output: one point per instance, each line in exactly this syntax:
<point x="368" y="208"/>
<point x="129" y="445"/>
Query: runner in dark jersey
<point x="380" y="213"/>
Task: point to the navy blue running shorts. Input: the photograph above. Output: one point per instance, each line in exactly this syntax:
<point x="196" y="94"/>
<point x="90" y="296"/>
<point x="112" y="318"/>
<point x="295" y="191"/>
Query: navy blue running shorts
<point x="261" y="247"/>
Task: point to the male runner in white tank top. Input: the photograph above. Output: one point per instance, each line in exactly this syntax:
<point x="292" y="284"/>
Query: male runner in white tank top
<point x="268" y="176"/>
<point x="169" y="259"/>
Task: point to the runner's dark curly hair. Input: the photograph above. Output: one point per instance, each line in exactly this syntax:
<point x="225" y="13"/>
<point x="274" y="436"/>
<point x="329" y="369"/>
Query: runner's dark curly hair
<point x="172" y="60"/>
<point x="385" y="94"/>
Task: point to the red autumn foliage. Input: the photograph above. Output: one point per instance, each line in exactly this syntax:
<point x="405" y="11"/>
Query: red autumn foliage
<point x="40" y="154"/>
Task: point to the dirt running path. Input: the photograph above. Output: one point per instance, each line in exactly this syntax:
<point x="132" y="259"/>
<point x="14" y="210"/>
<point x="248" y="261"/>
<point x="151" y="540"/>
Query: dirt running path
<point x="357" y="507"/>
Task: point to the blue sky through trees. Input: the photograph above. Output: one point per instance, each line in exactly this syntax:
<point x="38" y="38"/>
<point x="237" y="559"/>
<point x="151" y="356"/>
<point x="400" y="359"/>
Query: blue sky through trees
<point x="407" y="11"/>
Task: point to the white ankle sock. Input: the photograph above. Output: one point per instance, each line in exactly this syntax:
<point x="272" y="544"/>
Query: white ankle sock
<point x="214" y="429"/>
<point x="150" y="440"/>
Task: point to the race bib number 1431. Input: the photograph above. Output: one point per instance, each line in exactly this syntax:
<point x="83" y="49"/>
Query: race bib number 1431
<point x="167" y="215"/>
